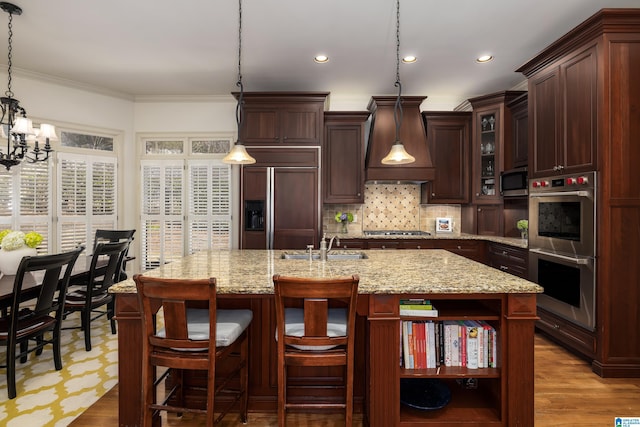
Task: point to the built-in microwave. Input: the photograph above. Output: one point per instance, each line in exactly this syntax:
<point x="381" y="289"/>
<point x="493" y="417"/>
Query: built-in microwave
<point x="514" y="182"/>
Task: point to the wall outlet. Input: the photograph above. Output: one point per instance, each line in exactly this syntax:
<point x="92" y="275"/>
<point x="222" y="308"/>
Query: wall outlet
<point x="355" y="218"/>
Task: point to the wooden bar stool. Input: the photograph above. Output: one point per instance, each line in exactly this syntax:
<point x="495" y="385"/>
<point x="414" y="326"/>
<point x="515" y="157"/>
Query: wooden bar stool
<point x="318" y="320"/>
<point x="191" y="338"/>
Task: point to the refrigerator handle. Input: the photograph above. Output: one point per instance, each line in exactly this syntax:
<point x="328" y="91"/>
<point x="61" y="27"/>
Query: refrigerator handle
<point x="270" y="207"/>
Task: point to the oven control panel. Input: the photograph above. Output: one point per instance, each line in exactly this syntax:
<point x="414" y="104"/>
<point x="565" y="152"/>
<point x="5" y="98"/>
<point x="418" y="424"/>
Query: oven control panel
<point x="563" y="183"/>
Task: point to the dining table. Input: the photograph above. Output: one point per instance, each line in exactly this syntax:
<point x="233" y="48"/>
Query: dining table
<point x="31" y="282"/>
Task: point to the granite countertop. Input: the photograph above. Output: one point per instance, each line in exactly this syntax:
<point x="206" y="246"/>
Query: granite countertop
<point x="512" y="241"/>
<point x="383" y="272"/>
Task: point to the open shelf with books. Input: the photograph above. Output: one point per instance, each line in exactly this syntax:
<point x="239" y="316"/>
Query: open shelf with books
<point x="461" y="347"/>
<point x="500" y="394"/>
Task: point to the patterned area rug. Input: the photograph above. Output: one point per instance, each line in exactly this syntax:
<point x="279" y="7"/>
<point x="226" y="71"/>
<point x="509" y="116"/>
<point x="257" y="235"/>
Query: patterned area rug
<point x="47" y="397"/>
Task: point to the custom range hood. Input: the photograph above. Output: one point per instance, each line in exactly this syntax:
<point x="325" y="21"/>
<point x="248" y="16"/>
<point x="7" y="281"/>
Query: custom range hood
<point x="382" y="136"/>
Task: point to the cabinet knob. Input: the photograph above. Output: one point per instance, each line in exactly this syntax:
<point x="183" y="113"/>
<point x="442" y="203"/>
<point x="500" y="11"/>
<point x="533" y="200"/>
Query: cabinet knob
<point x="384" y="247"/>
<point x="284" y="137"/>
<point x="359" y="194"/>
<point x="477" y="194"/>
<point x="504" y="268"/>
<point x="459" y="247"/>
<point x="479" y="209"/>
<point x="419" y="247"/>
<point x="560" y="167"/>
<point x="433" y="194"/>
<point x="504" y="252"/>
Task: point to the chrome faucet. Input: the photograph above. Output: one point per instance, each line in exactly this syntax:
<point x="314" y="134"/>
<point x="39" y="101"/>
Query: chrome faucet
<point x="323" y="246"/>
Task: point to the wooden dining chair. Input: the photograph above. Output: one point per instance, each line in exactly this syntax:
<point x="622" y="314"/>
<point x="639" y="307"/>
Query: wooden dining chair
<point x="112" y="236"/>
<point x="34" y="320"/>
<point x="191" y="338"/>
<point x="318" y="320"/>
<point x="89" y="297"/>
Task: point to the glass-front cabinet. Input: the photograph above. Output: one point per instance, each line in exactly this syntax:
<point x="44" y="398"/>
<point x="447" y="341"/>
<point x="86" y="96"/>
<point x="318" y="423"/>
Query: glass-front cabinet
<point x="491" y="129"/>
<point x="488" y="169"/>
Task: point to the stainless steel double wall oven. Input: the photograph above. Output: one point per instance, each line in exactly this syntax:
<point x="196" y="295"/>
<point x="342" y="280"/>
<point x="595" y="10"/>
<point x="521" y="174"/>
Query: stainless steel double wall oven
<point x="562" y="257"/>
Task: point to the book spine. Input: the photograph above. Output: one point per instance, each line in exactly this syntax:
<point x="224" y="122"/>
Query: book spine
<point x="472" y="344"/>
<point x="447" y="343"/>
<point x="418" y="313"/>
<point x="405" y="343"/>
<point x="431" y="362"/>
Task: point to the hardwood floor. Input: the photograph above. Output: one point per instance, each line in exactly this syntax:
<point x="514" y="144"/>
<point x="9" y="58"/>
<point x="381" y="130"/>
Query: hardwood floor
<point x="567" y="394"/>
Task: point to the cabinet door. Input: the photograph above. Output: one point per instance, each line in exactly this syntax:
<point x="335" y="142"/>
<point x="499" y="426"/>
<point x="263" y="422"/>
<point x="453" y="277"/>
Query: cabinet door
<point x="489" y="220"/>
<point x="343" y="166"/>
<point x="261" y="125"/>
<point x="544" y="93"/>
<point x="301" y="124"/>
<point x="448" y="138"/>
<point x="254" y="187"/>
<point x="516" y="153"/>
<point x="486" y="156"/>
<point x="579" y="75"/>
<point x="295" y="208"/>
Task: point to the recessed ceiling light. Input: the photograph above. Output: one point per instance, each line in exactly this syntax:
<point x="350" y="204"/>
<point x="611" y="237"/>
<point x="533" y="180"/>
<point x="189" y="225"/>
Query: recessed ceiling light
<point x="321" y="59"/>
<point x="409" y="59"/>
<point x="484" y="58"/>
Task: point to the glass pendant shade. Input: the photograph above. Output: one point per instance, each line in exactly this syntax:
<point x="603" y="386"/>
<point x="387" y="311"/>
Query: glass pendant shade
<point x="398" y="155"/>
<point x="238" y="156"/>
<point x="47" y="131"/>
<point x="23" y="126"/>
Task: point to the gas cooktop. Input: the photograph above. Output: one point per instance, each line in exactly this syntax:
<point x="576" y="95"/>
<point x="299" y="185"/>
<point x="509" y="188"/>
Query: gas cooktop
<point x="396" y="233"/>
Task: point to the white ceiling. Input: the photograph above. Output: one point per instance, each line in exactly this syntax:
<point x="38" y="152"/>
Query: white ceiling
<point x="146" y="48"/>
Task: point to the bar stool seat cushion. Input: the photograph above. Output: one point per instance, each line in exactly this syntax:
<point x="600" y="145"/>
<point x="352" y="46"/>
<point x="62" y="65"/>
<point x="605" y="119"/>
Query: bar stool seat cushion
<point x="229" y="325"/>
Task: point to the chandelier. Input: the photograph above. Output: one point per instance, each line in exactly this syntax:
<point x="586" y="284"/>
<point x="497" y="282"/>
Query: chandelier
<point x="238" y="154"/>
<point x="15" y="127"/>
<point x="398" y="155"/>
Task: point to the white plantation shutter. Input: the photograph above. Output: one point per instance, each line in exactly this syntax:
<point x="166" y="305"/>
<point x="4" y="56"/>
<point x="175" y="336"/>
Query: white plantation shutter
<point x="87" y="198"/>
<point x="209" y="217"/>
<point x="6" y="199"/>
<point x="25" y="200"/>
<point x="35" y="201"/>
<point x="162" y="229"/>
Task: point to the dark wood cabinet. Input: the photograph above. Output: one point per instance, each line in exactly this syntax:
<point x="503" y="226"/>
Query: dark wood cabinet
<point x="283" y="118"/>
<point x="484" y="220"/>
<point x="491" y="132"/>
<point x="448" y="137"/>
<point x="472" y="249"/>
<point x="343" y="156"/>
<point x="352" y="244"/>
<point x="509" y="259"/>
<point x="584" y="105"/>
<point x="516" y="153"/>
<point x="563" y="120"/>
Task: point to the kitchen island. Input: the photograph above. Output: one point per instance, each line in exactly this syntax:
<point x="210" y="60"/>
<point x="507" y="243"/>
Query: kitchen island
<point x="463" y="289"/>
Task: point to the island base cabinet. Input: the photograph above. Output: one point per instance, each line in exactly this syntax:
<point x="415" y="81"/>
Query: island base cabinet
<point x="499" y="396"/>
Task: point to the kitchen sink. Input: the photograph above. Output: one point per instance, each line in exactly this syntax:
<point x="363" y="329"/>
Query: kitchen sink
<point x="333" y="255"/>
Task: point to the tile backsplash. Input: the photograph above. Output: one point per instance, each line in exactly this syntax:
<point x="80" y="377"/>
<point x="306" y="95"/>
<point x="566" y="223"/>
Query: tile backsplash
<point x="391" y="207"/>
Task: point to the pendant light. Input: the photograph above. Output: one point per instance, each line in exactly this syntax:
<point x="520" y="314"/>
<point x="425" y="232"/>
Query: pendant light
<point x="238" y="154"/>
<point x="398" y="155"/>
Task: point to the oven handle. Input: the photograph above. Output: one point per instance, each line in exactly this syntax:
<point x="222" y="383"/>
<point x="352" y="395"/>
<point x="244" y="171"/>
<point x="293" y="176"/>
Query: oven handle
<point x="580" y="193"/>
<point x="577" y="261"/>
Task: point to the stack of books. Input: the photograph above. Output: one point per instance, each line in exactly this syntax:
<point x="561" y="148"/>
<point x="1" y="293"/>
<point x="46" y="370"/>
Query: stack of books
<point x="417" y="307"/>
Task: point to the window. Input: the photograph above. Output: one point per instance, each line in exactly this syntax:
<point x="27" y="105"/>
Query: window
<point x="25" y="200"/>
<point x="86" y="198"/>
<point x="186" y="199"/>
